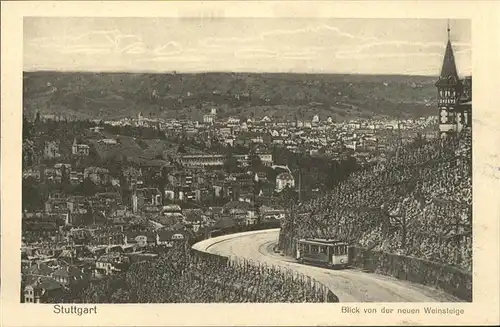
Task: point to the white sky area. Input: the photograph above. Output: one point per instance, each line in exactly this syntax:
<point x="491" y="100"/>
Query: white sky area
<point x="363" y="46"/>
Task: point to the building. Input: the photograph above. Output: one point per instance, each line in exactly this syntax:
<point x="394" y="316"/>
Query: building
<point x="43" y="290"/>
<point x="272" y="213"/>
<point x="62" y="172"/>
<point x="69" y="276"/>
<point x="96" y="129"/>
<point x="111" y="263"/>
<point x="284" y="180"/>
<point x="211" y="117"/>
<point x="108" y="141"/>
<point x="51" y="150"/>
<point x="79" y="149"/>
<point x="98" y="175"/>
<point x="454" y="96"/>
<point x="211" y="160"/>
<point x="76" y="177"/>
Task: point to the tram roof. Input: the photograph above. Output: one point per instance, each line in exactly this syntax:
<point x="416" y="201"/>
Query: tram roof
<point x="322" y="241"/>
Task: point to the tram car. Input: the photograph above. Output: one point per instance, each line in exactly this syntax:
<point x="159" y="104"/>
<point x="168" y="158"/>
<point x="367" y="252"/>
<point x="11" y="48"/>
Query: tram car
<point x="325" y="252"/>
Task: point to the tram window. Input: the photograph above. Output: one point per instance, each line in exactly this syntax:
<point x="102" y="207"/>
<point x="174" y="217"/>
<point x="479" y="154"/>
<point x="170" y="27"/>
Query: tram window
<point x="322" y="249"/>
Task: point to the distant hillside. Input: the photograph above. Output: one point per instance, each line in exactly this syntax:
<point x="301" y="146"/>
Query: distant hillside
<point x="117" y="95"/>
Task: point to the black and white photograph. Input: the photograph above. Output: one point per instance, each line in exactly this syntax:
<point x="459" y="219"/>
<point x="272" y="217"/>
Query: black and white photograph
<point x="246" y="160"/>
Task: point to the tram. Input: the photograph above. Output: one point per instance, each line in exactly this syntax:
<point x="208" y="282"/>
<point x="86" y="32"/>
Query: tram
<point x="320" y="251"/>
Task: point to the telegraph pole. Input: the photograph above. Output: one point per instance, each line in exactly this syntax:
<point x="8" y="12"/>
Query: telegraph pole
<point x="300" y="183"/>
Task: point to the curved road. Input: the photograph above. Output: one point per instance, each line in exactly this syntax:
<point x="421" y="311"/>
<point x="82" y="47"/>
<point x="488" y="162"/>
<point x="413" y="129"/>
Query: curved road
<point x="349" y="285"/>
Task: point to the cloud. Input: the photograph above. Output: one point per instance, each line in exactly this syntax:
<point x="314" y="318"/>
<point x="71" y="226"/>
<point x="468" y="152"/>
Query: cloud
<point x="304" y="37"/>
<point x="88" y="43"/>
<point x="169" y="49"/>
<point x="397" y="48"/>
<point x="184" y="58"/>
<point x="135" y="48"/>
<point x="84" y="50"/>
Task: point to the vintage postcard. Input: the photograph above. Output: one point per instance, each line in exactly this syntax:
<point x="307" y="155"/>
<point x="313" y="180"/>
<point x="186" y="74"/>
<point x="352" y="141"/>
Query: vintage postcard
<point x="258" y="163"/>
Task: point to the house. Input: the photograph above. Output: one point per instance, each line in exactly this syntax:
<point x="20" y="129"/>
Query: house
<point x="169" y="219"/>
<point x="225" y="221"/>
<point x="164" y="238"/>
<point x="209" y="119"/>
<point x="35" y="173"/>
<point x="40" y="269"/>
<point x="195" y="217"/>
<point x="77" y="204"/>
<point x="56" y="205"/>
<point x="251" y="218"/>
<point x="49" y="174"/>
<point x="111" y="263"/>
<point x="43" y="290"/>
<point x="260" y="176"/>
<point x="69" y="276"/>
<point x="284" y="180"/>
<point x="133" y="176"/>
<point x="51" y="150"/>
<point x="269" y="213"/>
<point x="180" y="235"/>
<point x="80" y="149"/>
<point x="98" y="175"/>
<point x="146" y="196"/>
<point x="141" y="239"/>
<point x="107" y="237"/>
<point x="76" y="177"/>
<point x="240" y="211"/>
<point x="108" y="141"/>
<point x="110" y="198"/>
<point x="96" y="129"/>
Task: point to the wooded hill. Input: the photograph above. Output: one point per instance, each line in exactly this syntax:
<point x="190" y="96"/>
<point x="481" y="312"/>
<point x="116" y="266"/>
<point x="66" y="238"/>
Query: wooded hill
<point x="189" y="96"/>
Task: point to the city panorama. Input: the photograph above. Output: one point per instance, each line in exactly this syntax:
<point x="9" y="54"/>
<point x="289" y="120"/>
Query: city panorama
<point x="255" y="160"/>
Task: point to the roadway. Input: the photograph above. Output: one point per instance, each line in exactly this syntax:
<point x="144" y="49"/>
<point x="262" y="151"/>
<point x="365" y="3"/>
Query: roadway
<point x="350" y="285"/>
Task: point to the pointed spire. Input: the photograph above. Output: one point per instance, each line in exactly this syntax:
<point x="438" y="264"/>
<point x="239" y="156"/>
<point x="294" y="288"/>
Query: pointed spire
<point x="448" y="30"/>
<point x="449" y="75"/>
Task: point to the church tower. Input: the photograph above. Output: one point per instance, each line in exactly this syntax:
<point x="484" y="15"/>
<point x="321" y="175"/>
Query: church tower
<point x="74" y="147"/>
<point x="449" y="91"/>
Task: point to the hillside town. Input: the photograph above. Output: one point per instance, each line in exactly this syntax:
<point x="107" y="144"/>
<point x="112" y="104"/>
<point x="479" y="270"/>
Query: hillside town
<point x="100" y="195"/>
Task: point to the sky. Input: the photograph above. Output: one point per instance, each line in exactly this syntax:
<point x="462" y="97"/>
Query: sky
<point x="362" y="46"/>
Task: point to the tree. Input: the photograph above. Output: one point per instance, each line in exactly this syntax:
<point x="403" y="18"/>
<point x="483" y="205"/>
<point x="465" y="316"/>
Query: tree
<point x="419" y="140"/>
<point x="87" y="188"/>
<point x="288" y="195"/>
<point x="231" y="164"/>
<point x="181" y="148"/>
<point x="27" y="128"/>
<point x="255" y="162"/>
<point x="32" y="196"/>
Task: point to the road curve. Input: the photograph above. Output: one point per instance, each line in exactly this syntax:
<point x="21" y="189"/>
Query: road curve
<point x="349" y="285"/>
